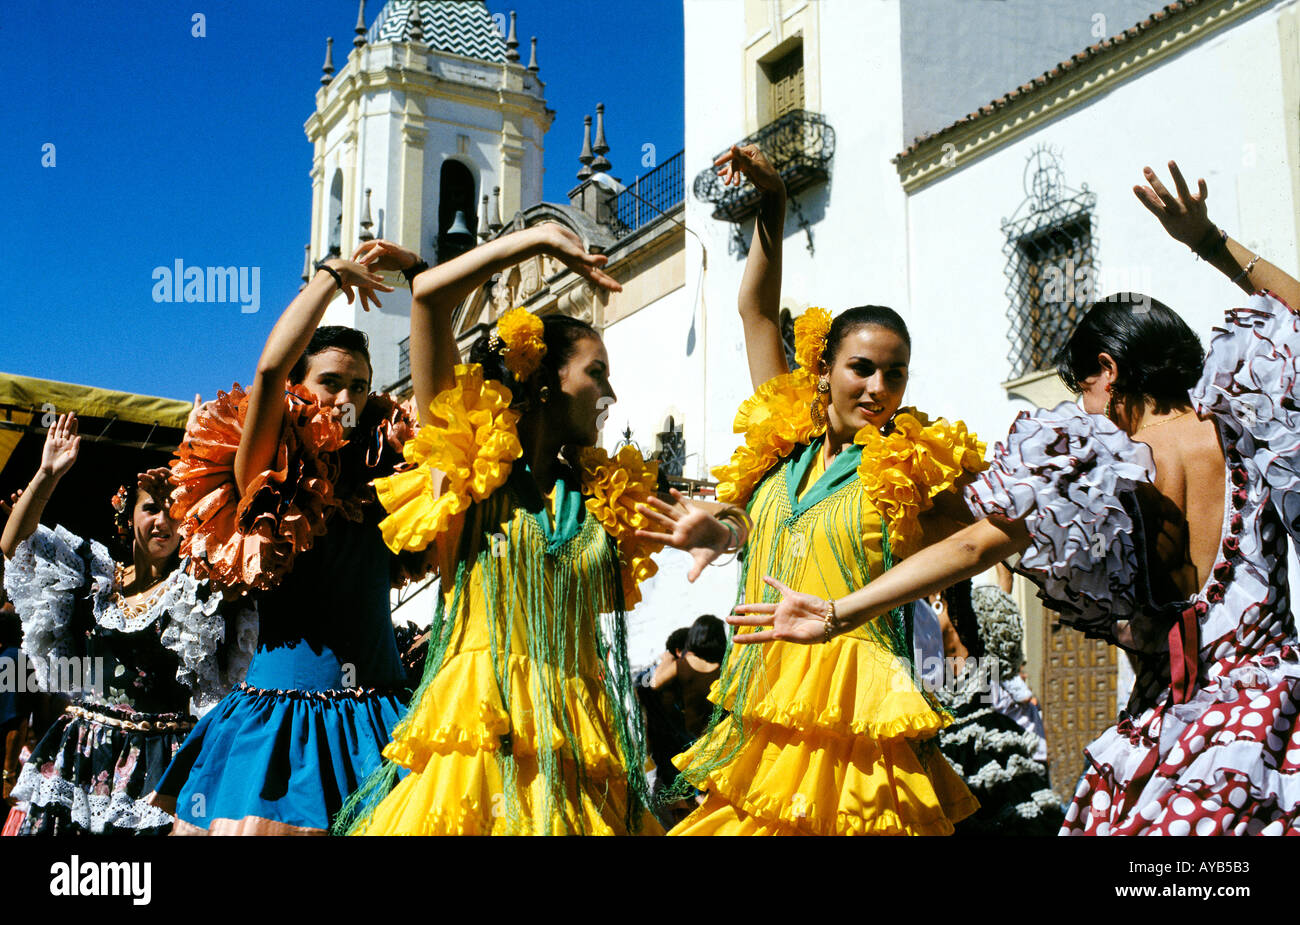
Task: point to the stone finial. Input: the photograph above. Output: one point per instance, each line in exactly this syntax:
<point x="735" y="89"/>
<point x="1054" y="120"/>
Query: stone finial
<point x="496" y="209"/>
<point x="366" y="224"/>
<point x="600" y="148"/>
<point x="484" y="229"/>
<point x="416" y="33"/>
<point x="327" y="70"/>
<point x="586" y="156"/>
<point x="532" y="55"/>
<point x="512" y="42"/>
<point x="360" y="29"/>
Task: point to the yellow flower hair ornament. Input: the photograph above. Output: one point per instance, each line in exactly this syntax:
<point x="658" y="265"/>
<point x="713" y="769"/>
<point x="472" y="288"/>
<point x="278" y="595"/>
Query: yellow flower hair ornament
<point x="810" y="332"/>
<point x="904" y="471"/>
<point x="520" y="331"/>
<point x="615" y="487"/>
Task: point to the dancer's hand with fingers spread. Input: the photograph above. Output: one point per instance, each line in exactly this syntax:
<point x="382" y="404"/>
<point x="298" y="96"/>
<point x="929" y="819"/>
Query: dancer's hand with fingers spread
<point x="1184" y="216"/>
<point x="797" y="618"/>
<point x="748" y="161"/>
<point x="687" y="527"/>
<point x="363" y="278"/>
<point x="61" y="447"/>
<point x="384" y="255"/>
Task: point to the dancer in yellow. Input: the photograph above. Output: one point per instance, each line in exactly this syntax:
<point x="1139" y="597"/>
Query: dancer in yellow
<point x="840" y="483"/>
<point x="521" y="723"/>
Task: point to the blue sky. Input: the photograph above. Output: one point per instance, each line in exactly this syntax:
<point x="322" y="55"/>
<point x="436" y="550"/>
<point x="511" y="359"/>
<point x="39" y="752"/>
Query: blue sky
<point x="169" y="147"/>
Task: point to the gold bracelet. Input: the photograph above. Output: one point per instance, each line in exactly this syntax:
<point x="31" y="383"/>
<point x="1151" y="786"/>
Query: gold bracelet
<point x="827" y="618"/>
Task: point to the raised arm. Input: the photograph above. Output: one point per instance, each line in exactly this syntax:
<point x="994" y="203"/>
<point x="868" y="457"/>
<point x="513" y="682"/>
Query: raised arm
<point x="804" y="618"/>
<point x="1185" y="218"/>
<point x="61" y="446"/>
<point x="437" y="291"/>
<point x="759" y="300"/>
<point x="287" y="341"/>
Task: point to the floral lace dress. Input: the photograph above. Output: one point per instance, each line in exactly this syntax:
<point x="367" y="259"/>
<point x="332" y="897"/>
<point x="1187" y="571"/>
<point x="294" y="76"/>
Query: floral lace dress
<point x="136" y="676"/>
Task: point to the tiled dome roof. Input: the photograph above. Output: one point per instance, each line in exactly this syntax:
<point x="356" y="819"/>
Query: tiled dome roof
<point x="448" y="25"/>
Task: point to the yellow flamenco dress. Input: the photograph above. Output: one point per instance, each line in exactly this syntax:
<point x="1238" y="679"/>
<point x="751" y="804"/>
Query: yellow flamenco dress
<point x="521" y="723"/>
<point x="838" y="738"/>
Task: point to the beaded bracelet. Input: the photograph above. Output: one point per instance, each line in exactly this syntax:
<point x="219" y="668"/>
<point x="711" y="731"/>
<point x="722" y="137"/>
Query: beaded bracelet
<point x="1246" y="272"/>
<point x="827" y="619"/>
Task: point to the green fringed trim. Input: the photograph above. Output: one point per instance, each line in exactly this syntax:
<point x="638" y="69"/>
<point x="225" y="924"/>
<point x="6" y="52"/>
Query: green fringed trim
<point x="579" y="576"/>
<point x="742" y="669"/>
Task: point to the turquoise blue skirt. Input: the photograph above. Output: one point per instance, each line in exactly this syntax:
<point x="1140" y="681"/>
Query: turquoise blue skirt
<point x="287" y="747"/>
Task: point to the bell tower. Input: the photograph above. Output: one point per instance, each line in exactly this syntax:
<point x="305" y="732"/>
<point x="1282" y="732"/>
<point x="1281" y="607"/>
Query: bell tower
<point x="429" y="133"/>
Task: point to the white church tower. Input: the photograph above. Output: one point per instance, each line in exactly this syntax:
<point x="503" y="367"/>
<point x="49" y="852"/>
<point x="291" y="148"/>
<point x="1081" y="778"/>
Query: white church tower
<point x="428" y="134"/>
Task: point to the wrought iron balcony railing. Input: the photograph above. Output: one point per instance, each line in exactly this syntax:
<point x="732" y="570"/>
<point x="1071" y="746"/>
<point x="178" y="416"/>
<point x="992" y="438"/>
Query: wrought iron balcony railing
<point x="800" y="144"/>
<point x="650" y="196"/>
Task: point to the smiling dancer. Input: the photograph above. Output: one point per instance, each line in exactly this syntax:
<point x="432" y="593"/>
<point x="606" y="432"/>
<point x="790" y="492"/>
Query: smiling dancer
<point x="1156" y="518"/>
<point x="149" y="640"/>
<point x="839" y="481"/>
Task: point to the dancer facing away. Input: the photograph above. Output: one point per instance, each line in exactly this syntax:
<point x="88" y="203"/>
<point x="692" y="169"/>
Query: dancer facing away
<point x="165" y="643"/>
<point x="839" y="481"/>
<point x="522" y="722"/>
<point x="1155" y="518"/>
<point x="274" y="501"/>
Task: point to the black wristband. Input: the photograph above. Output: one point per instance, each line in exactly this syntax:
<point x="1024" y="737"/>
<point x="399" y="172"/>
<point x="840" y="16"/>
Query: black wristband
<point x="322" y="265"/>
<point x="414" y="270"/>
<point x="1210" y="242"/>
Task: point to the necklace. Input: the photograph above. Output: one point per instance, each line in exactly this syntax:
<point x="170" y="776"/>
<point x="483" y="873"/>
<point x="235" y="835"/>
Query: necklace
<point x="131" y="611"/>
<point x="1165" y="421"/>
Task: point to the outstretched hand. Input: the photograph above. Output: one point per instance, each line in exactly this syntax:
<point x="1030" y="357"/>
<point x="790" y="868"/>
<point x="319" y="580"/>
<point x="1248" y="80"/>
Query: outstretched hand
<point x="748" y="161"/>
<point x="362" y="278"/>
<point x="797" y="618"/>
<point x="688" y="527"/>
<point x="62" y="444"/>
<point x="566" y="247"/>
<point x="1184" y="216"/>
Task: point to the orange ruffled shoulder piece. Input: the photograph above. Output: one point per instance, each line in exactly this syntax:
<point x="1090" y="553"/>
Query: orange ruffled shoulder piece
<point x="615" y="487"/>
<point x="774" y="420"/>
<point x="249" y="542"/>
<point x="462" y="454"/>
<point x="904" y="471"/>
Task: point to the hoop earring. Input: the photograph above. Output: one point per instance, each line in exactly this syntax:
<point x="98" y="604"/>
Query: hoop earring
<point x="544" y="394"/>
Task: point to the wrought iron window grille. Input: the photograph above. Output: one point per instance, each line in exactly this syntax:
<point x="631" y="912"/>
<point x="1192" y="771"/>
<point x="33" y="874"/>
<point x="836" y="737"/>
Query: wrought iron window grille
<point x="1051" y="266"/>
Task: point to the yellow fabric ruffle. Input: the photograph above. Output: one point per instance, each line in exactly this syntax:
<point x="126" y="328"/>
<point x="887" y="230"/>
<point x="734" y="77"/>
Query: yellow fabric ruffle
<point x="463" y="453"/>
<point x="774" y="420"/>
<point x="903" y="472"/>
<point x="616" y="487"/>
<point x="838" y="738"/>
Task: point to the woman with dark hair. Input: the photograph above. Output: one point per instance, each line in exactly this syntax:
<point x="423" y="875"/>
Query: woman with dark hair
<point x="140" y="644"/>
<point x="1155" y="518"/>
<point x="840" y="481"/>
<point x="274" y="502"/>
<point x="522" y="722"/>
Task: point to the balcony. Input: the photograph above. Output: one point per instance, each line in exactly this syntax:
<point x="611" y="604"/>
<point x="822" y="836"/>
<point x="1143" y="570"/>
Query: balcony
<point x="650" y="196"/>
<point x="800" y="145"/>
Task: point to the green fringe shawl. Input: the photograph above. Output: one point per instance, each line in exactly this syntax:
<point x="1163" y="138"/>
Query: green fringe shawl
<point x="571" y="597"/>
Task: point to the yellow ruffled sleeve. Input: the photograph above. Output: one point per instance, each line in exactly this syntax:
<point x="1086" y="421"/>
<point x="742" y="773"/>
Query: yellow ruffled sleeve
<point x="774" y="420"/>
<point x="616" y="486"/>
<point x="904" y="471"/>
<point x="462" y="454"/>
